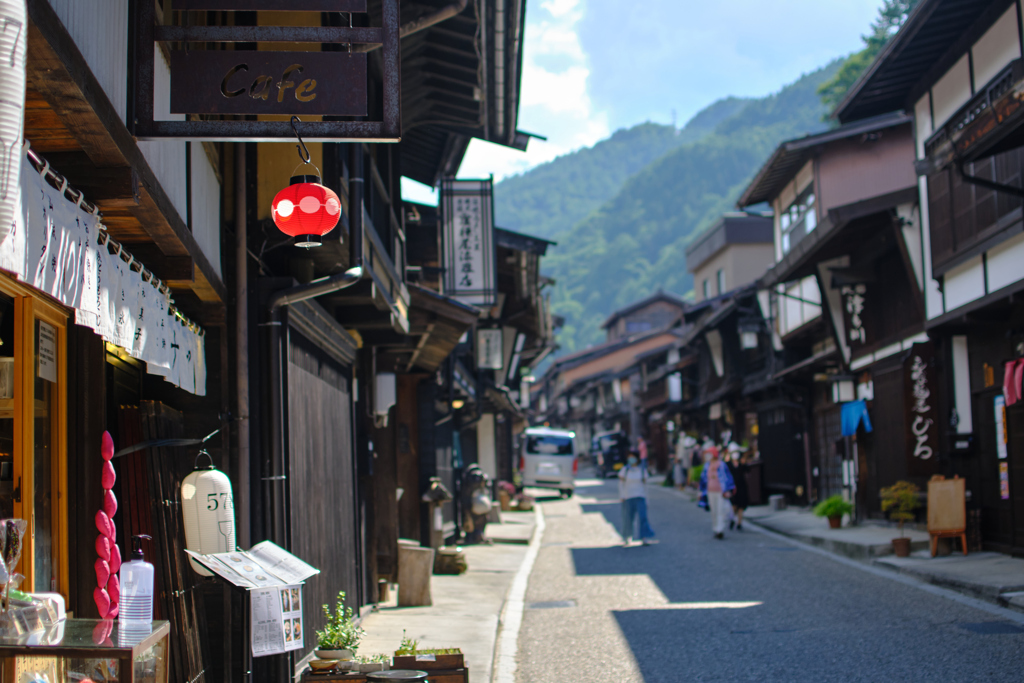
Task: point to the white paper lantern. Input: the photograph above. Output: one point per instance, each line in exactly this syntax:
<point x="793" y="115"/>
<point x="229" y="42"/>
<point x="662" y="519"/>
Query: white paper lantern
<point x="209" y="512"/>
<point x="13" y="39"/>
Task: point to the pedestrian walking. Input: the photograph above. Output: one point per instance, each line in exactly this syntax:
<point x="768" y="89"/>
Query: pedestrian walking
<point x="717" y="484"/>
<point x="738" y="468"/>
<point x="633" y="495"/>
<point x="682" y="459"/>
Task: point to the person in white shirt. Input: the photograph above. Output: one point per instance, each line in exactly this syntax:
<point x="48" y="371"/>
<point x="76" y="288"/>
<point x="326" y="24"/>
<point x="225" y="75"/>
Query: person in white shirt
<point x="633" y="495"/>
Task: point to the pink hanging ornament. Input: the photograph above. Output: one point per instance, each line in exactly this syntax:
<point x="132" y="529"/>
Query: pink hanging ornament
<point x="107" y="593"/>
<point x="102" y="572"/>
<point x="102" y="600"/>
<point x="104" y="525"/>
<point x="107" y="447"/>
<point x="114" y="589"/>
<point x="115" y="559"/>
<point x="109" y="476"/>
<point x="103" y="547"/>
<point x="109" y="503"/>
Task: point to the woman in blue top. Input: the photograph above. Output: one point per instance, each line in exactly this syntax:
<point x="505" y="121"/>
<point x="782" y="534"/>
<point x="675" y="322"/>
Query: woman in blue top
<point x="716" y="482"/>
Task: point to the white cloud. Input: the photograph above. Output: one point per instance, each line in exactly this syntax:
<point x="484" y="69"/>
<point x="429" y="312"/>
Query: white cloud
<point x="555" y="100"/>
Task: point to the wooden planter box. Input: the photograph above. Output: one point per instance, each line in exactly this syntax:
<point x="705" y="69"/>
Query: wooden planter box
<point x="438" y="676"/>
<point x="420" y="663"/>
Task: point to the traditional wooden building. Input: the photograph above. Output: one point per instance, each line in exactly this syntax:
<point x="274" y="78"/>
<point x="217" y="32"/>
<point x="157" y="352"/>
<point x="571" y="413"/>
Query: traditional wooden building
<point x="848" y="226"/>
<point x="955" y="67"/>
<point x="296" y="356"/>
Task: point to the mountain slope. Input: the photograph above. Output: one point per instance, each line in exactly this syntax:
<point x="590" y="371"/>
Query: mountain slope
<point x="635" y="242"/>
<point x="549" y="199"/>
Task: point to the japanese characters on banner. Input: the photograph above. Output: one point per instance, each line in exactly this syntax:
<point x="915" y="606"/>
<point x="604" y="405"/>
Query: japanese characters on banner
<point x="54" y="246"/>
<point x="469" y="260"/>
<point x="921" y="410"/>
<point x="853" y="306"/>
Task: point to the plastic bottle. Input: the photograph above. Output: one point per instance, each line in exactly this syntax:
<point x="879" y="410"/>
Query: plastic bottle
<point x="136" y="586"/>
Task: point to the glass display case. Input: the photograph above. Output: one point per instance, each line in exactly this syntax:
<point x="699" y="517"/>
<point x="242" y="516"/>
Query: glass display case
<point x="87" y="651"/>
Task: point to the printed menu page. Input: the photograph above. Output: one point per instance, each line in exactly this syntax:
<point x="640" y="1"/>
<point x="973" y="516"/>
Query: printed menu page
<point x="265" y="565"/>
<point x="276" y="620"/>
<point x="282" y="563"/>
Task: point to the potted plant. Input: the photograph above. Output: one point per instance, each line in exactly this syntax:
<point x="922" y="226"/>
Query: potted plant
<point x="410" y="656"/>
<point x="524" y="503"/>
<point x="900" y="501"/>
<point x="370" y="663"/>
<point x="340" y="636"/>
<point x="833" y="507"/>
<point x="506" y="492"/>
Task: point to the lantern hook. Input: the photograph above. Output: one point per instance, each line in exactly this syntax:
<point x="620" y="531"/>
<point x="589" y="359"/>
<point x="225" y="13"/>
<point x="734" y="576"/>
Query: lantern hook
<point x="301" y="147"/>
<point x="201" y="454"/>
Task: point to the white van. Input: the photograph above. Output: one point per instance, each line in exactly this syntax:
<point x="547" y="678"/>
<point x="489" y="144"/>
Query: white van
<point x="549" y="459"/>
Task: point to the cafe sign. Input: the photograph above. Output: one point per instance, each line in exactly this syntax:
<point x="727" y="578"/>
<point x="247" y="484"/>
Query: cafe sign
<point x="212" y="87"/>
<point x="250" y="82"/>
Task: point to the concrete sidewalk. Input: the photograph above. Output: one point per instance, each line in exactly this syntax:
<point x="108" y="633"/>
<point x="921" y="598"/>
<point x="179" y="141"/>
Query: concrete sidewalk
<point x="865" y="541"/>
<point x="515" y="527"/>
<point x="988" y="576"/>
<point x="466" y="608"/>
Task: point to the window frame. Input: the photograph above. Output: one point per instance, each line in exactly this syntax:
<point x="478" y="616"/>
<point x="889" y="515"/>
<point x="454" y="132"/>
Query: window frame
<point x="30" y="307"/>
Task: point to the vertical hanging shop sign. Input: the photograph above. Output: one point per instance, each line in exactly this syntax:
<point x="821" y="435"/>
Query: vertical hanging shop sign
<point x="854" y="314"/>
<point x="1000" y="414"/>
<point x="489" y="348"/>
<point x="920" y="410"/>
<point x="469" y="260"/>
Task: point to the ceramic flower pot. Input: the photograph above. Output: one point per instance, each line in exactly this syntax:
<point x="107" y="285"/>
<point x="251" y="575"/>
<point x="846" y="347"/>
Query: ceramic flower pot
<point x="341" y="655"/>
<point x="901" y="546"/>
<point x="835" y="522"/>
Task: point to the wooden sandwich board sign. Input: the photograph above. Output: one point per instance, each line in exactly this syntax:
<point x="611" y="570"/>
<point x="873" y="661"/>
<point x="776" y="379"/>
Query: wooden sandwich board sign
<point x="947" y="510"/>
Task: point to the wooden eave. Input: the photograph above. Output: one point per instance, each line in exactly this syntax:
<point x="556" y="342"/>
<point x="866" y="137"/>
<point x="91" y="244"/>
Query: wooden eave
<point x="70" y="120"/>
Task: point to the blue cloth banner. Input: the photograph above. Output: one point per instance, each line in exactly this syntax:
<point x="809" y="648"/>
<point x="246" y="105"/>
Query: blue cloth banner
<point x="852" y="414"/>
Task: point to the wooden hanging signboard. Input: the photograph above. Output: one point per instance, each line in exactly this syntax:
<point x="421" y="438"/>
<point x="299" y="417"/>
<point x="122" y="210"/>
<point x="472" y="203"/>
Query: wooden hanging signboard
<point x="273" y="5"/>
<point x="211" y="85"/>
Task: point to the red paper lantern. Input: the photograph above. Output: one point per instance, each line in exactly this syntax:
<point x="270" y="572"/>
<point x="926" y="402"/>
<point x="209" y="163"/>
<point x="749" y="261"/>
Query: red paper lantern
<point x="306" y="210"/>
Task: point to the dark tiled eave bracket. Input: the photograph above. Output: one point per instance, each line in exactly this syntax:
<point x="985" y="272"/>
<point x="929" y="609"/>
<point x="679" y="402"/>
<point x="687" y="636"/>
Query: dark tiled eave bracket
<point x="934" y="36"/>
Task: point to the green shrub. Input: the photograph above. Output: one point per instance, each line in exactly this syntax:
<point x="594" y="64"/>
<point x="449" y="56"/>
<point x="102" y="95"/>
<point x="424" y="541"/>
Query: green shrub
<point x="900" y="501"/>
<point x="833" y="506"/>
<point x="340" y="632"/>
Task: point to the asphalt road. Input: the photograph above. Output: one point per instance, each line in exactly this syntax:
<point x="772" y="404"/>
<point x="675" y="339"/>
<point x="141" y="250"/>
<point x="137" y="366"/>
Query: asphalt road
<point x="747" y="608"/>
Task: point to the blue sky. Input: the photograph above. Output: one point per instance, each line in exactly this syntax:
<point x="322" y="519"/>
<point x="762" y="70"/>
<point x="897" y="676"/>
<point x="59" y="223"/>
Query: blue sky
<point x="594" y="66"/>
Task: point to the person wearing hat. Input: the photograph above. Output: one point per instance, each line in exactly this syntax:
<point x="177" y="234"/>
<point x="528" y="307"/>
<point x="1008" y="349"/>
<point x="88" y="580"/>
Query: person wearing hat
<point x="633" y="495"/>
<point x="717" y="484"/>
<point x="741" y="498"/>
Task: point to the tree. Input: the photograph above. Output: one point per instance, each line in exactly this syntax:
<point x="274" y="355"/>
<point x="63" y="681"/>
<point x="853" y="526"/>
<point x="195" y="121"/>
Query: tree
<point x="891" y="16"/>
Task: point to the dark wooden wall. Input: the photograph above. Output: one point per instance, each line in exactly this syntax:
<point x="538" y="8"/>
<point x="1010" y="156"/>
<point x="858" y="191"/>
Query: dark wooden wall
<point x="407" y="447"/>
<point x="321" y="477"/>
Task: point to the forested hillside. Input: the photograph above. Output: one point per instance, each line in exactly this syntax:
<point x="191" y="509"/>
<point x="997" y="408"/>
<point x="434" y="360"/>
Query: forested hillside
<point x="635" y="241"/>
<point x="551" y="198"/>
